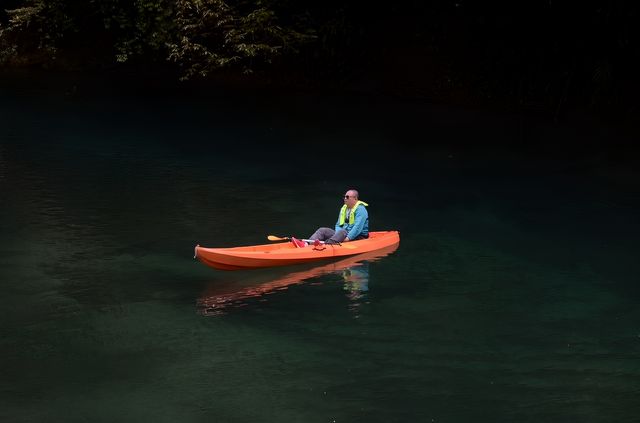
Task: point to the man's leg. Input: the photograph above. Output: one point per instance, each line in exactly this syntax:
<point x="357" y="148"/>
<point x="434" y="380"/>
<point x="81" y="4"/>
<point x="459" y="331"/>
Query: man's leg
<point x="337" y="237"/>
<point x="323" y="234"/>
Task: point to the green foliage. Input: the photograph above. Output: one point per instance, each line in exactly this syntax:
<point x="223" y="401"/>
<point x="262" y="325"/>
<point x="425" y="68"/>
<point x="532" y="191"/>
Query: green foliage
<point x="543" y="55"/>
<point x="138" y="28"/>
<point x="213" y="35"/>
<point x="198" y="35"/>
<point x="34" y="28"/>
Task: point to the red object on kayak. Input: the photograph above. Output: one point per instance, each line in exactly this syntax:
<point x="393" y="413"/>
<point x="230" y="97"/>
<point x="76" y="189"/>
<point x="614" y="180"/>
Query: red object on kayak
<point x="298" y="243"/>
<point x="286" y="253"/>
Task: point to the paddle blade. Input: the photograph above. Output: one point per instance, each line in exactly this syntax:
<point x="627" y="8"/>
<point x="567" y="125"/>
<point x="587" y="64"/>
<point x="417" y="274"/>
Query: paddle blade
<point x="276" y="238"/>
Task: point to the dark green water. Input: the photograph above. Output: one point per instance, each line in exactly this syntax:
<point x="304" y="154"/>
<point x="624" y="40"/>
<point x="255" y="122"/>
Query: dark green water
<point x="513" y="296"/>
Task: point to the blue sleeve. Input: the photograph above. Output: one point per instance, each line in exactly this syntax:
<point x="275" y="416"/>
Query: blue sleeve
<point x="338" y="227"/>
<point x="361" y="216"/>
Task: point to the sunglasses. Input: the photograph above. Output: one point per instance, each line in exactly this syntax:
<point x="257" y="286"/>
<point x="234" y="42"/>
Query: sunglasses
<point x="347" y="197"/>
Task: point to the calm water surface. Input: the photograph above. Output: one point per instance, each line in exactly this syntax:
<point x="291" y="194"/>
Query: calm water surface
<point x="511" y="298"/>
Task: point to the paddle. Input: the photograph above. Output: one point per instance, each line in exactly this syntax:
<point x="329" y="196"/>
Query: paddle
<point x="286" y="238"/>
<point x="278" y="238"/>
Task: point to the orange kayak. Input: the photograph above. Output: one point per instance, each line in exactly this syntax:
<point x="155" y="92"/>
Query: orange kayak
<point x="219" y="296"/>
<point x="286" y="253"/>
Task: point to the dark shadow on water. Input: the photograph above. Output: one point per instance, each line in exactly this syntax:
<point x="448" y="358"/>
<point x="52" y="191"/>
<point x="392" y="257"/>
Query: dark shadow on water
<point x="220" y="297"/>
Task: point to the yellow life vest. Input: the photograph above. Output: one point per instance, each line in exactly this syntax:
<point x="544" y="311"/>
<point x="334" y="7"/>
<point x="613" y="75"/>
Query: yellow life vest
<point x="352" y="215"/>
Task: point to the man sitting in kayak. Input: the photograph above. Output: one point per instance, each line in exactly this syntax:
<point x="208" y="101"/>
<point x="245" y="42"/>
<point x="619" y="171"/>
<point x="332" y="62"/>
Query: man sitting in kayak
<point x="352" y="224"/>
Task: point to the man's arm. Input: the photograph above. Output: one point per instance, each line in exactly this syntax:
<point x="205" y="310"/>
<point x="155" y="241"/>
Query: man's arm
<point x="361" y="216"/>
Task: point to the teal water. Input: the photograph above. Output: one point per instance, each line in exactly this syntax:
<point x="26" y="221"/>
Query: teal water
<point x="511" y="298"/>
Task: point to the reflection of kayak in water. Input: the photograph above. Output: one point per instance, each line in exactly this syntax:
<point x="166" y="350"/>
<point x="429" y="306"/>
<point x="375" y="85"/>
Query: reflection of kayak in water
<point x="286" y="253"/>
<point x="216" y="298"/>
